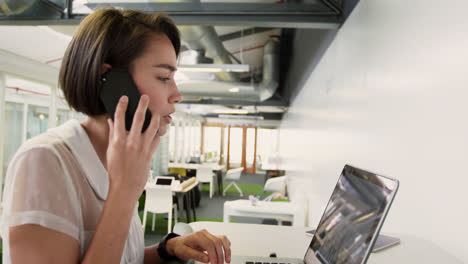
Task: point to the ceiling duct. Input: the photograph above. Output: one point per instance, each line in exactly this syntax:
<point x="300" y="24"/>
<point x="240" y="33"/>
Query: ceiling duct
<point x="14" y="7"/>
<point x="197" y="90"/>
<point x="205" y="38"/>
<point x="27" y="9"/>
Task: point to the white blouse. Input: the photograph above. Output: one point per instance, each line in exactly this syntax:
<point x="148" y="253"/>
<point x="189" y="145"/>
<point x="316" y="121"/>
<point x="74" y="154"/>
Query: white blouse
<point x="57" y="180"/>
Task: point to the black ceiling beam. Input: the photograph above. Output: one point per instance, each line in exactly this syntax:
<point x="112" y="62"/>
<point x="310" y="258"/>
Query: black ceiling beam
<point x="294" y="9"/>
<point x="266" y="116"/>
<point x="209" y="101"/>
<point x="316" y="14"/>
<point x="288" y="15"/>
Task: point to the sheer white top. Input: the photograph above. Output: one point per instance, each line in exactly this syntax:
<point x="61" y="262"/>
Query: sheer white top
<point x="56" y="180"/>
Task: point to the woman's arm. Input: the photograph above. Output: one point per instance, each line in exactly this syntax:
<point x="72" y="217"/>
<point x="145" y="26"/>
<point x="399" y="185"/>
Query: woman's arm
<point x="128" y="161"/>
<point x="111" y="233"/>
<point x="36" y="244"/>
<point x="194" y="246"/>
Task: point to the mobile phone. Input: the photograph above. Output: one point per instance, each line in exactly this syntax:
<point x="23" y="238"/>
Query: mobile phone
<point x="115" y="83"/>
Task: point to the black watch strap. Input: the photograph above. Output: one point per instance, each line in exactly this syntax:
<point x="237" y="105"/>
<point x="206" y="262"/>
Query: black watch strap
<point x="162" y="251"/>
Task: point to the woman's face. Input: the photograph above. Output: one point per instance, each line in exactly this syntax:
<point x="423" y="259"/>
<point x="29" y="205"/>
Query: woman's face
<point x="153" y="73"/>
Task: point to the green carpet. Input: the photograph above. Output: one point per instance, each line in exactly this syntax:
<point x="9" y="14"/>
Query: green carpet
<point x="247" y="189"/>
<point x="160" y="226"/>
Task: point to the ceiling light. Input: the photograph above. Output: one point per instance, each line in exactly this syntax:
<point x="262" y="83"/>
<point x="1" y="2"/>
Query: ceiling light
<point x="231" y="111"/>
<point x="214" y="67"/>
<point x="234" y="90"/>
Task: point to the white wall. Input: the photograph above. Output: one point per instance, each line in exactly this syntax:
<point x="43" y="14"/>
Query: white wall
<point x="390" y="95"/>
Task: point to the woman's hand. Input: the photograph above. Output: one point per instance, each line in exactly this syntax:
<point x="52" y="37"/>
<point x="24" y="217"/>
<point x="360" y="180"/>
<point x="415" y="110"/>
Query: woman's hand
<point x="201" y="246"/>
<point x="129" y="154"/>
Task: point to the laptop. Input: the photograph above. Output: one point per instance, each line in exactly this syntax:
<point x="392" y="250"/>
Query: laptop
<point x="165" y="181"/>
<point x="350" y="224"/>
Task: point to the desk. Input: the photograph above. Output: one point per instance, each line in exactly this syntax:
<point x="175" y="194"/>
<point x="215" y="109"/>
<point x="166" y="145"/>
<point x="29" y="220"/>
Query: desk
<point x="194" y="166"/>
<point x="282" y="210"/>
<point x="191" y="166"/>
<point x="291" y="242"/>
<point x="218" y="169"/>
<point x="180" y="194"/>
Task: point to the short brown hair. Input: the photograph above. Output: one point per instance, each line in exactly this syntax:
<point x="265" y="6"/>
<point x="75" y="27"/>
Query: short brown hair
<point x="110" y="36"/>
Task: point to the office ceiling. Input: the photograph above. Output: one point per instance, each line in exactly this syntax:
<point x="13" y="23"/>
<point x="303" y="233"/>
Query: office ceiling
<point x="41" y="30"/>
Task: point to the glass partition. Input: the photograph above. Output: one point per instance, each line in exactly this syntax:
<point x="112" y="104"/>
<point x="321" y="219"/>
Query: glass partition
<point x="62" y="116"/>
<point x="37" y="120"/>
<point x="13" y="131"/>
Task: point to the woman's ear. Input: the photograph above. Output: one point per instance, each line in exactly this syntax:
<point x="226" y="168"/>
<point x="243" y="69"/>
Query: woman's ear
<point x="105" y="68"/>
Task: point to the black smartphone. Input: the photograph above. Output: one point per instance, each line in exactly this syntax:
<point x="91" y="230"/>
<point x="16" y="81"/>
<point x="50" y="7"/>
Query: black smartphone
<point x="115" y="83"/>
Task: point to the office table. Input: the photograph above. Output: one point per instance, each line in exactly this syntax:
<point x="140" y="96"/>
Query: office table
<point x="217" y="169"/>
<point x="290" y="241"/>
<point x="277" y="210"/>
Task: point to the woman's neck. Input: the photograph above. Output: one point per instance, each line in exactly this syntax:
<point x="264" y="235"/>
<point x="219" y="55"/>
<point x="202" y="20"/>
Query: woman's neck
<point x="98" y="132"/>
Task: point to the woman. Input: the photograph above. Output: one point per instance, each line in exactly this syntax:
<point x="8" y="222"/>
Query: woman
<point x="71" y="193"/>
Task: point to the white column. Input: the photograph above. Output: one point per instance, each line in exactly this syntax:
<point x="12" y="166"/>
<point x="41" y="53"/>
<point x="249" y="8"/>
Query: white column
<point x="189" y="136"/>
<point x="176" y="142"/>
<point x="53" y="107"/>
<point x="183" y="148"/>
<point x="25" y="121"/>
<point x="2" y="129"/>
<point x="164" y="155"/>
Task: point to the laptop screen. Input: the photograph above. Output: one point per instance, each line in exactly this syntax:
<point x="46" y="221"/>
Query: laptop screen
<point x="352" y="218"/>
<point x="163" y="181"/>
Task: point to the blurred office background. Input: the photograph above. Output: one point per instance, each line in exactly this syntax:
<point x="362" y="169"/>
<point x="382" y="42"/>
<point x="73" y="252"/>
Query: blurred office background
<point x="378" y="84"/>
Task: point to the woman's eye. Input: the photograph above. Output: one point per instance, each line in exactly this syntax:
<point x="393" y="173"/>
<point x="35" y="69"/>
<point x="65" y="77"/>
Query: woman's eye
<point x="164" y="79"/>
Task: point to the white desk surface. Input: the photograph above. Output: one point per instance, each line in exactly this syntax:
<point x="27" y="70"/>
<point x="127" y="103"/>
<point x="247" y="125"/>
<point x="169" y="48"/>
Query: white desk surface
<point x="287" y="241"/>
<point x="176" y="188"/>
<point x="262" y="206"/>
<point x="290" y="210"/>
<point x="194" y="166"/>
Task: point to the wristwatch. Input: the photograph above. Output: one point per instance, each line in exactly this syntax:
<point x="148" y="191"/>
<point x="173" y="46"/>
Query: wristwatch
<point x="162" y="248"/>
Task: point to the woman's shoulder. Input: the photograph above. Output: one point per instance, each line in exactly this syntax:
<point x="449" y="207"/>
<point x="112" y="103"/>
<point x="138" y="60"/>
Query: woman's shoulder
<point x="44" y="142"/>
<point x="40" y="148"/>
<point x="51" y="140"/>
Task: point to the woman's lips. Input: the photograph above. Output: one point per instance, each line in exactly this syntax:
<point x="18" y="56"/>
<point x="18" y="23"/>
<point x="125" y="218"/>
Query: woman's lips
<point x="168" y="119"/>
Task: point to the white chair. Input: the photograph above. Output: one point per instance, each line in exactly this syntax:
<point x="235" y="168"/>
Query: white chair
<point x="205" y="175"/>
<point x="277" y="186"/>
<point x="232" y="176"/>
<point x="159" y="200"/>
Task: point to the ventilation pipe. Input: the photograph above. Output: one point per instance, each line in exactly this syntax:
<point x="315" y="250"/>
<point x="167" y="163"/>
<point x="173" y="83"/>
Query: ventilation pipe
<point x="205" y="38"/>
<point x="197" y="90"/>
<point x="14" y="7"/>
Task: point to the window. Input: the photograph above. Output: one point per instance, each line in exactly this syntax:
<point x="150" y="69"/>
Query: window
<point x="13" y="131"/>
<point x="267" y="142"/>
<point x="37" y="120"/>
<point x="212" y="143"/>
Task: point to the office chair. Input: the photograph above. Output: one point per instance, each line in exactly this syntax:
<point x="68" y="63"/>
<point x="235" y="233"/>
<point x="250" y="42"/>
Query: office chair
<point x="205" y="175"/>
<point x="159" y="200"/>
<point x="232" y="176"/>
